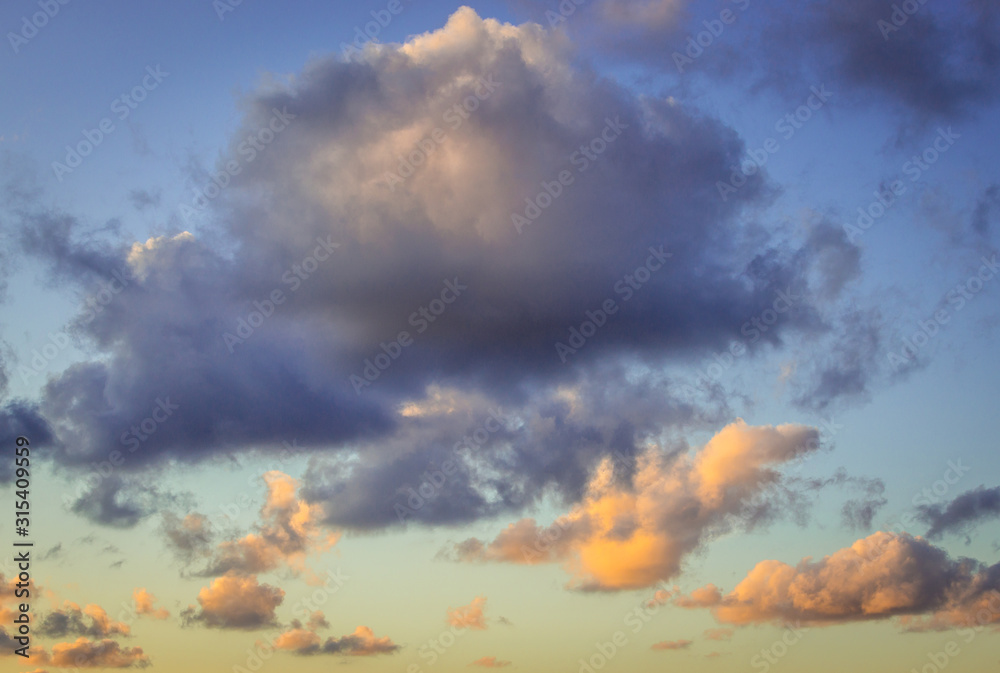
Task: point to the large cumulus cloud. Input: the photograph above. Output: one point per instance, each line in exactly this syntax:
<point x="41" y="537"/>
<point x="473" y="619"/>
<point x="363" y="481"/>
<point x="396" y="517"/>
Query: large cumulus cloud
<point x="320" y="189"/>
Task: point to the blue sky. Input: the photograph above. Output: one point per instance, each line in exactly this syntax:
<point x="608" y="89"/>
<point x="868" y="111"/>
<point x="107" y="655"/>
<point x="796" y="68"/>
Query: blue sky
<point x="731" y="468"/>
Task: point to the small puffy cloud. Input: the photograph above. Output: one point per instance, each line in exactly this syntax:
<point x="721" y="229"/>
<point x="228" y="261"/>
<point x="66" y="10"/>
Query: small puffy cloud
<point x="92" y="621"/>
<point x="470" y="616"/>
<point x="702" y="597"/>
<point x="882" y="576"/>
<point x="490" y="662"/>
<point x="317" y="620"/>
<point x="361" y="643"/>
<point x="236" y="602"/>
<point x="144" y="602"/>
<point x="719" y="634"/>
<point x="672" y="645"/>
<point x="84" y="653"/>
<point x="628" y="536"/>
<point x="188" y="537"/>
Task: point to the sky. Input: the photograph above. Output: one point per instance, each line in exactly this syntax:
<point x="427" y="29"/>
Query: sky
<point x="579" y="335"/>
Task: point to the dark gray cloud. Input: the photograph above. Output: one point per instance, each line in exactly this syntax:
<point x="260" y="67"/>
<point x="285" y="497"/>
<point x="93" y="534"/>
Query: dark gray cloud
<point x="937" y="61"/>
<point x="119" y="502"/>
<point x="165" y="382"/>
<point x="963" y="513"/>
<point x="91" y="621"/>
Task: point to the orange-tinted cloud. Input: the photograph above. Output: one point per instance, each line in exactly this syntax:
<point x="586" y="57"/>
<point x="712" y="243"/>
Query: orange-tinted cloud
<point x="881" y="576"/>
<point x="289" y="530"/>
<point x="8" y="587"/>
<point x="672" y="645"/>
<point x="84" y="653"/>
<point x="236" y="602"/>
<point x="719" y="634"/>
<point x="144" y="602"/>
<point x="629" y="536"/>
<point x="470" y="616"/>
<point x="361" y="643"/>
<point x="490" y="662"/>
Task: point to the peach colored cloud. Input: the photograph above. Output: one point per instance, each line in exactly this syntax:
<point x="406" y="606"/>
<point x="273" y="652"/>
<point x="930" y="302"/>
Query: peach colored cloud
<point x="719" y="634"/>
<point x="672" y="645"/>
<point x="236" y="602"/>
<point x="288" y="531"/>
<point x="85" y="653"/>
<point x="881" y="576"/>
<point x="490" y="662"/>
<point x="629" y="536"/>
<point x="144" y="602"/>
<point x="361" y="643"/>
<point x="8" y="597"/>
<point x="469" y="616"/>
